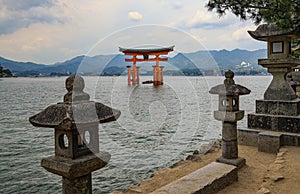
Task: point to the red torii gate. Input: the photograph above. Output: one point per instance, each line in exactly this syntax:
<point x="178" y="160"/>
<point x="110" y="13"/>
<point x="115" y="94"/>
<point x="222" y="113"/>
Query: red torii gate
<point x="134" y="74"/>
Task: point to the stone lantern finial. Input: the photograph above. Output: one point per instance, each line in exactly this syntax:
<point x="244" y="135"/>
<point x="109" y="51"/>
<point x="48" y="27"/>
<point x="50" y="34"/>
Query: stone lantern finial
<point x="229" y="78"/>
<point x="75" y="85"/>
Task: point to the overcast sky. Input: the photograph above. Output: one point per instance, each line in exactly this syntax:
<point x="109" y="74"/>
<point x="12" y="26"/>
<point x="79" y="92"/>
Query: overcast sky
<point x="48" y="31"/>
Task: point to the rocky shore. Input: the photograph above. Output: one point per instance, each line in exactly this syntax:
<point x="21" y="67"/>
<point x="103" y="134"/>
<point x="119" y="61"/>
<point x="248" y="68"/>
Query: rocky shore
<point x="263" y="173"/>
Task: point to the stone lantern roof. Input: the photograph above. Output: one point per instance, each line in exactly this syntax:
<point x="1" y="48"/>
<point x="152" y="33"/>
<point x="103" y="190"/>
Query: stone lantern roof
<point x="265" y="31"/>
<point x="229" y="88"/>
<point x="76" y="108"/>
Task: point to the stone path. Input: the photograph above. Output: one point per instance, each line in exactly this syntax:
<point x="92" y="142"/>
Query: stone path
<point x="275" y="174"/>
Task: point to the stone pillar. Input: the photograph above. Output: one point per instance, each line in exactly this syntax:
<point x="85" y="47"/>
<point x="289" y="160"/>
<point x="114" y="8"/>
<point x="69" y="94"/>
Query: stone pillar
<point x="134" y="71"/>
<point x="162" y="75"/>
<point x="279" y="88"/>
<point x="129" y="75"/>
<point x="229" y="140"/>
<point x="154" y="75"/>
<point x="137" y="75"/>
<point x="81" y="184"/>
<point x="157" y="72"/>
<point x="229" y="114"/>
<point x="158" y="75"/>
<point x="158" y="80"/>
<point x="75" y="122"/>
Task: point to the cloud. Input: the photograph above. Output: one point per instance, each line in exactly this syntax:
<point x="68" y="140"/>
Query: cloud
<point x="242" y="34"/>
<point x="135" y="16"/>
<point x="17" y="14"/>
<point x="48" y="31"/>
<point x="17" y="5"/>
<point x="203" y="20"/>
<point x="178" y="5"/>
<point x="32" y="42"/>
<point x="201" y="17"/>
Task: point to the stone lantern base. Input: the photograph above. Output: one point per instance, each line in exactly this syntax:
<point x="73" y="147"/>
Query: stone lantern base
<point x="76" y="173"/>
<point x="279" y="88"/>
<point x="275" y="123"/>
<point x="238" y="162"/>
<point x="281" y="116"/>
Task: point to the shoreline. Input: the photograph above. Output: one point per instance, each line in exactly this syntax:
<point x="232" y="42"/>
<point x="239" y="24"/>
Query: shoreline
<point x="263" y="173"/>
<point x="204" y="155"/>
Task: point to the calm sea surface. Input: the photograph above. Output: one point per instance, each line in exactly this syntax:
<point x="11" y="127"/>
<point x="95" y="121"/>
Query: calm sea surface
<point x="158" y="126"/>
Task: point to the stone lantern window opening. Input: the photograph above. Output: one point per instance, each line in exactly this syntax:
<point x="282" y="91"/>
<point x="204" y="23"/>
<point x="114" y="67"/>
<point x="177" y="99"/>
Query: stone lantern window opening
<point x="87" y="137"/>
<point x="225" y="103"/>
<point x="63" y="141"/>
<point x="277" y="47"/>
<point x="80" y="140"/>
<point x="234" y="103"/>
<point x="72" y="144"/>
<point x="228" y="103"/>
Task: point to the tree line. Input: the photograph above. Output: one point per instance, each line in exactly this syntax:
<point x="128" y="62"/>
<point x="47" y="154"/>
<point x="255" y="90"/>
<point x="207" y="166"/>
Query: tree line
<point x="5" y="72"/>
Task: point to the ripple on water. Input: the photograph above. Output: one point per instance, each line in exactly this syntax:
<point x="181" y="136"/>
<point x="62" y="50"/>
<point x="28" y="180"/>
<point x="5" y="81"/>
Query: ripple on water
<point x="158" y="126"/>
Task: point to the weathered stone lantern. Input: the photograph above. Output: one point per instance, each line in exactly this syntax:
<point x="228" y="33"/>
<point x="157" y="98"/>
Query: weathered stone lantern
<point x="279" y="61"/>
<point x="75" y="122"/>
<point x="229" y="114"/>
<point x="275" y="122"/>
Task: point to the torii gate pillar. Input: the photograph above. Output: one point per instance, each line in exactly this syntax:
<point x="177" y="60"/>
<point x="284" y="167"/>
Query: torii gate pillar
<point x="129" y="75"/>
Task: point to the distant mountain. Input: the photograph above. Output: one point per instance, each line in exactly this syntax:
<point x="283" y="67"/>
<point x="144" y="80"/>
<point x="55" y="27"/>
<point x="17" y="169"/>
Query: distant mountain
<point x="19" y="66"/>
<point x="182" y="61"/>
<point x="81" y="64"/>
<point x="225" y="58"/>
<point x="69" y="65"/>
<point x="115" y="64"/>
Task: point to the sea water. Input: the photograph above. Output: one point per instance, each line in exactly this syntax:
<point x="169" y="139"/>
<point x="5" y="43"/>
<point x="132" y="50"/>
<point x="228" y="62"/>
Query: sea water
<point x="157" y="127"/>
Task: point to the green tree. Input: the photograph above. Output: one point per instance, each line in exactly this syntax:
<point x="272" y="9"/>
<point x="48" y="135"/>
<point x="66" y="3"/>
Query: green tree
<point x="1" y="71"/>
<point x="284" y="13"/>
<point x="7" y="73"/>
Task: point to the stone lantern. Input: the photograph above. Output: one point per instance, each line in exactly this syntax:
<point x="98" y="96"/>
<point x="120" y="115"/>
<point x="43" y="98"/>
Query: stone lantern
<point x="229" y="114"/>
<point x="276" y="121"/>
<point x="279" y="61"/>
<point x="75" y="122"/>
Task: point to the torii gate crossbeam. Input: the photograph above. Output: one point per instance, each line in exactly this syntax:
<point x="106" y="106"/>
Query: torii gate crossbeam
<point x="146" y="53"/>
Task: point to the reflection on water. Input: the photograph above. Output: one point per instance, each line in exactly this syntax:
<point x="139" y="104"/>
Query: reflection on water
<point x="158" y="126"/>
